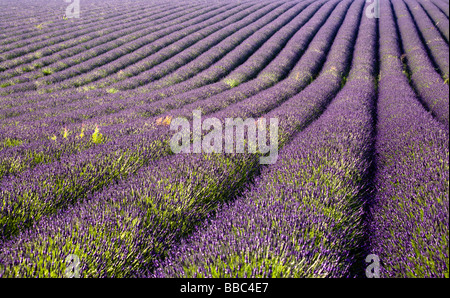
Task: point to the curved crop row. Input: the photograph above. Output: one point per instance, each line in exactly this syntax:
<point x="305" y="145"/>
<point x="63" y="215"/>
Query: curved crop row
<point x="432" y="38"/>
<point x="439" y="19"/>
<point x="410" y="216"/>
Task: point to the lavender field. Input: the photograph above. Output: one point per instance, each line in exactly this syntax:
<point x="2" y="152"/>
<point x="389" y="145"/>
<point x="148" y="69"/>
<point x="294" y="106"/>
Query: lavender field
<point x="89" y="184"/>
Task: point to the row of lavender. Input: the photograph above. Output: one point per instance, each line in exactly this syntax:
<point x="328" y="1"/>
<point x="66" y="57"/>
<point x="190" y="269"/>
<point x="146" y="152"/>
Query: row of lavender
<point x="410" y="214"/>
<point x="18" y="44"/>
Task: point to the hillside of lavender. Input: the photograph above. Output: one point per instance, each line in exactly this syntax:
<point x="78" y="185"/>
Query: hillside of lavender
<point x="89" y="184"/>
